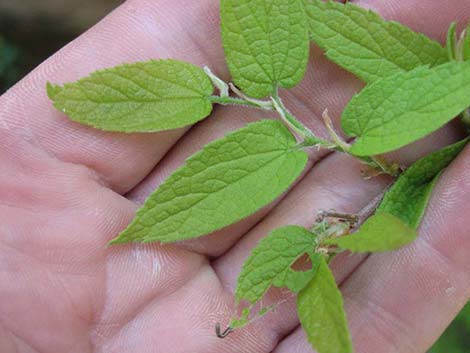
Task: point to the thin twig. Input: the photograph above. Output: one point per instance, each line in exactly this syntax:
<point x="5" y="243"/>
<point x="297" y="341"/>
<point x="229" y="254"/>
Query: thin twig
<point x="224" y="334"/>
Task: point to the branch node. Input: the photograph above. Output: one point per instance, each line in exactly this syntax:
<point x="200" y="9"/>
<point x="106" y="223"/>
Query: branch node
<point x="267" y="105"/>
<point x="343" y="145"/>
<point x="219" y="83"/>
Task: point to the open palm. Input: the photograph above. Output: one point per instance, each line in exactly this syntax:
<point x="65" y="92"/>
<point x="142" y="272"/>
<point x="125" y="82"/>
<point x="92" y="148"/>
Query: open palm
<point x="66" y="190"/>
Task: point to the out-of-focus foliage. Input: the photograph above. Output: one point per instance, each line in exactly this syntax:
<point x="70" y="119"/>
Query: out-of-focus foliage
<point x="456" y="339"/>
<point x="8" y="69"/>
<point x="33" y="30"/>
<point x="71" y="15"/>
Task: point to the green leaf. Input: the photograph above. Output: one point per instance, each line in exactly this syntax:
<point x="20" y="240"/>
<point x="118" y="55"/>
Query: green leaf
<point x="405" y="107"/>
<point x="228" y="180"/>
<point x="452" y="41"/>
<point x="321" y="313"/>
<point x="408" y="197"/>
<point x="266" y="43"/>
<point x="271" y="260"/>
<point x="365" y="44"/>
<point x="381" y="232"/>
<point x="141" y="97"/>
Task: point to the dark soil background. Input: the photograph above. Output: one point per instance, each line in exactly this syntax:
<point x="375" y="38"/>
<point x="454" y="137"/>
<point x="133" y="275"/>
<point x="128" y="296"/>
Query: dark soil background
<point x="31" y="30"/>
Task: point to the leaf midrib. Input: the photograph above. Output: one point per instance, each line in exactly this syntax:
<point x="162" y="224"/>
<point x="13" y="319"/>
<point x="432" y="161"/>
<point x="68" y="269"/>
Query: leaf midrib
<point x="169" y="238"/>
<point x="305" y="247"/>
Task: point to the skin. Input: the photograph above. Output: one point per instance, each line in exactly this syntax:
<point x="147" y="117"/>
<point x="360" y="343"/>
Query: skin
<point x="66" y="190"/>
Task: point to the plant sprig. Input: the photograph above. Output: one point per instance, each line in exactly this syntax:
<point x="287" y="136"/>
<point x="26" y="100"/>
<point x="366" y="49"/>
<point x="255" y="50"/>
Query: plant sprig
<point x="414" y="87"/>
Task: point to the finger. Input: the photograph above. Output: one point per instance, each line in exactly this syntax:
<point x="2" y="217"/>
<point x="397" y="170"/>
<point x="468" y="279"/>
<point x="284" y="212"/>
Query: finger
<point x="55" y="219"/>
<point x="58" y="274"/>
<point x="184" y="322"/>
<point x="138" y="30"/>
<point x="429" y="17"/>
<point x="403" y="301"/>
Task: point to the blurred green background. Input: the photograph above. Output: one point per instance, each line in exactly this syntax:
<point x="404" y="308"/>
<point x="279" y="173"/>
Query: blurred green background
<point x="456" y="339"/>
<point x="31" y="30"/>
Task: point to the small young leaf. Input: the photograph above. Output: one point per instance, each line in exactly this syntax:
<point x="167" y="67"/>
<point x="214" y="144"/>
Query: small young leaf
<point x="381" y="232"/>
<point x="365" y="44"/>
<point x="228" y="180"/>
<point x="243" y="320"/>
<point x="452" y="41"/>
<point x="405" y="107"/>
<point x="141" y="97"/>
<point x="266" y="43"/>
<point x="321" y="313"/>
<point x="466" y="45"/>
<point x="271" y="260"/>
<point x="455" y="338"/>
<point x="408" y="197"/>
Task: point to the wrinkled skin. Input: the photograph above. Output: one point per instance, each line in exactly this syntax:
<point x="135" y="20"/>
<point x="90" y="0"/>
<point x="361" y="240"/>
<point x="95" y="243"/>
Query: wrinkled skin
<point x="66" y="190"/>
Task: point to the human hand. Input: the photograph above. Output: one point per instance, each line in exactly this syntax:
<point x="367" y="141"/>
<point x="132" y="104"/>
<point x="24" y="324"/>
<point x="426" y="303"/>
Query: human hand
<point x="63" y="290"/>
